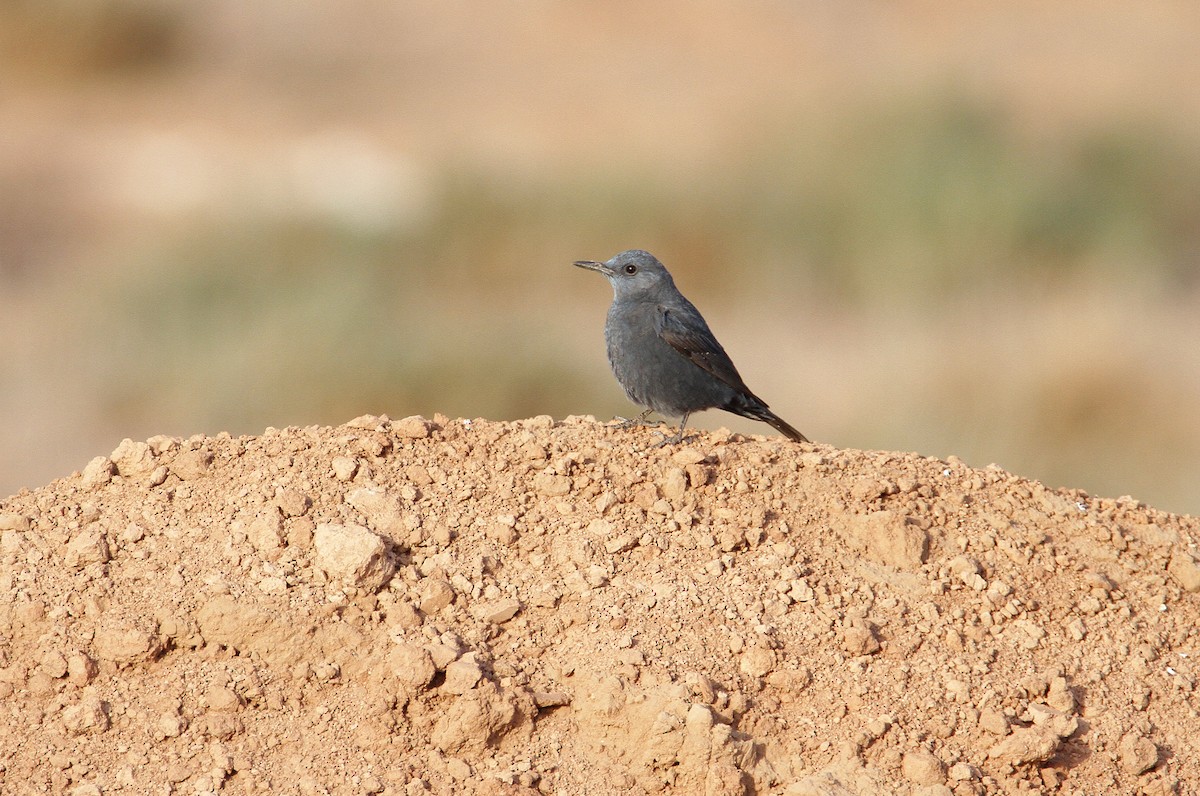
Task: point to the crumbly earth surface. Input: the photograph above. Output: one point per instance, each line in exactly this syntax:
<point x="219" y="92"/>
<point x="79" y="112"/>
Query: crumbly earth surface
<point x="448" y="606"/>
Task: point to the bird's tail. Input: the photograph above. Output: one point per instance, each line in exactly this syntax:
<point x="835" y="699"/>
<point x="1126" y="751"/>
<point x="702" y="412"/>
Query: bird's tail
<point x="757" y="410"/>
<point x="783" y="427"/>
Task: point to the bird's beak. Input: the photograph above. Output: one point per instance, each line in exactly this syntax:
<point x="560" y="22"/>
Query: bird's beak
<point x="592" y="265"/>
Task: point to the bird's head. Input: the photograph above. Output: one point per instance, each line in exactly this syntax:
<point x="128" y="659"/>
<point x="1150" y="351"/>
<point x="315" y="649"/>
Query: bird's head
<point x="635" y="275"/>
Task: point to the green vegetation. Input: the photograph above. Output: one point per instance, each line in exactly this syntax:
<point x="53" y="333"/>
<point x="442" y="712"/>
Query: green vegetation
<point x="937" y="210"/>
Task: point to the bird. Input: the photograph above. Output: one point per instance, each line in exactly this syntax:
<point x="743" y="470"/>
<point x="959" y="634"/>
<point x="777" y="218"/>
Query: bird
<point x="662" y="351"/>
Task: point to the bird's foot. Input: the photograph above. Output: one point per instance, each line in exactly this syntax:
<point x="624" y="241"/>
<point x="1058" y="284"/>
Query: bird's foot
<point x="640" y="420"/>
<point x="673" y="439"/>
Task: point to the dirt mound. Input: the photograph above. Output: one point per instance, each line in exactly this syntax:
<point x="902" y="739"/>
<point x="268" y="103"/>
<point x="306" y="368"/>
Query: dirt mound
<point x="415" y="606"/>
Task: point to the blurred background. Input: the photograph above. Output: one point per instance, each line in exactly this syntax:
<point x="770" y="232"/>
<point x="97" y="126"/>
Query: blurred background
<point x="944" y="227"/>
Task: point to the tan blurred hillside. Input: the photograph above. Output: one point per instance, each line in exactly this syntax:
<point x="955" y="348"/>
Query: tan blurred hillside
<point x="948" y="228"/>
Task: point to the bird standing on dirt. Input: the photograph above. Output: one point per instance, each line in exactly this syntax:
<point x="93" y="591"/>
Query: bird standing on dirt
<point x="663" y="353"/>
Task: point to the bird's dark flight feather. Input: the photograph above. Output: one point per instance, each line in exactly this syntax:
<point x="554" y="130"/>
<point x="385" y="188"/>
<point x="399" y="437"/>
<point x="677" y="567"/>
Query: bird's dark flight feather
<point x="697" y="344"/>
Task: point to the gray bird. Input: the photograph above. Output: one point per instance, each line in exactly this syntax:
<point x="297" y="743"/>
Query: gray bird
<point x="663" y="353"/>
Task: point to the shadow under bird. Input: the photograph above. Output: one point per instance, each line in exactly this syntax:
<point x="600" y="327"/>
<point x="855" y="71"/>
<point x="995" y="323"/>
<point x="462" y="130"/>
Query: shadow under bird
<point x="663" y="353"/>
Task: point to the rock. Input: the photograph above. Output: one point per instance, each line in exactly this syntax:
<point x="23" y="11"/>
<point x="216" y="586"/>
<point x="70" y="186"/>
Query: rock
<point x="673" y="484"/>
<point x="225" y="621"/>
<point x="503" y="533"/>
<point x="81" y="669"/>
<point x="1026" y="745"/>
<point x="601" y="528"/>
<point x="300" y="533"/>
<point x="1138" y="753"/>
<point x="551" y="699"/>
<point x="923" y="768"/>
<point x="222" y="699"/>
<point x="13" y="522"/>
<point x="87" y="717"/>
<point x="476" y="720"/>
<point x="993" y="721"/>
<point x="436" y="594"/>
<point x="860" y="640"/>
<point x="292" y="502"/>
<point x="181" y="629"/>
<point x="99" y="471"/>
<point x="384" y="512"/>
<point x="1060" y="696"/>
<point x="1060" y="725"/>
<point x="53" y="664"/>
<point x="40" y="684"/>
<point x="221" y="726"/>
<point x="412" y="665"/>
<point x="687" y="456"/>
<point x="412" y="427"/>
<point x="352" y="556"/>
<point x="968" y="571"/>
<point x="888" y="537"/>
<point x="1035" y="743"/>
<point x="125" y="645"/>
<point x="133" y="458"/>
<point x="497" y="612"/>
<point x="14" y="545"/>
<point x="551" y="485"/>
<point x="171" y="725"/>
<point x="190" y="465"/>
<point x="758" y="661"/>
<point x="1042" y="714"/>
<point x="962" y="772"/>
<point x="620" y="544"/>
<point x="443" y="654"/>
<point x="1184" y="569"/>
<point x="403" y="615"/>
<point x="344" y="468"/>
<point x="418" y="475"/>
<point x="265" y="532"/>
<point x="606" y="501"/>
<point x="462" y="675"/>
<point x="790" y="682"/>
<point x="458" y="769"/>
<point x="88" y="546"/>
<point x="1025" y="634"/>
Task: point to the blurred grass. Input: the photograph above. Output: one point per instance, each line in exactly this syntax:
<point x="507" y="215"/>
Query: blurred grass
<point x="940" y="198"/>
<point x="928" y="201"/>
<point x="291" y="323"/>
<point x="925" y="228"/>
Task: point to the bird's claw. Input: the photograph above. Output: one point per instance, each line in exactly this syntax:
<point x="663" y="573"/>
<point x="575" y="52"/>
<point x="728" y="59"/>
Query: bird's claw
<point x="672" y="439"/>
<point x="630" y="422"/>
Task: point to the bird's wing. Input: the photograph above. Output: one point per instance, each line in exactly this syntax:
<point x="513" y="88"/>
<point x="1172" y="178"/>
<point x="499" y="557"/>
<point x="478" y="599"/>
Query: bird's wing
<point x="688" y="334"/>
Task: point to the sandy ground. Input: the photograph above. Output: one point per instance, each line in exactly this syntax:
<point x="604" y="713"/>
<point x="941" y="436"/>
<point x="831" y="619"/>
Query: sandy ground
<point x="451" y="606"/>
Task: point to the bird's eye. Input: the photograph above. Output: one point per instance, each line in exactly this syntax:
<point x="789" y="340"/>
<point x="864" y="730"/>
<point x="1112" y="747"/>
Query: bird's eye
<point x="631" y="269"/>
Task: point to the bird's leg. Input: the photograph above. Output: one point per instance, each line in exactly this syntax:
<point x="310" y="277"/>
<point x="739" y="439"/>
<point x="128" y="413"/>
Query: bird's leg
<point x="678" y="438"/>
<point x="625" y="422"/>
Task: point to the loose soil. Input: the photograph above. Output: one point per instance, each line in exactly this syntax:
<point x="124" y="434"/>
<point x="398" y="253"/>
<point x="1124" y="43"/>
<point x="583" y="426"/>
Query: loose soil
<point x="451" y="606"/>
